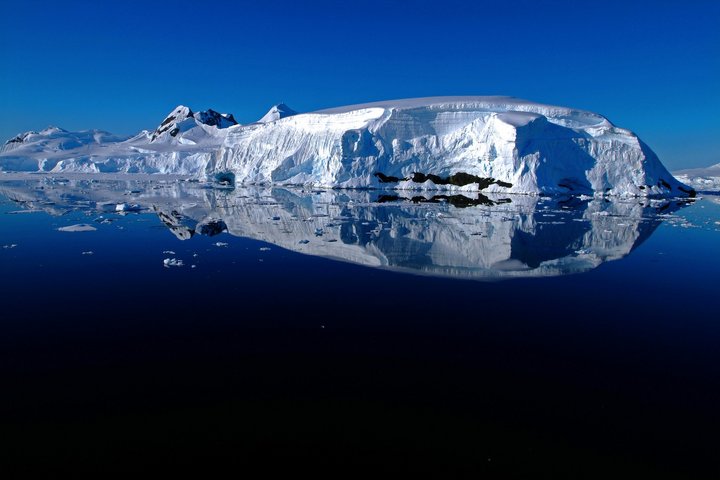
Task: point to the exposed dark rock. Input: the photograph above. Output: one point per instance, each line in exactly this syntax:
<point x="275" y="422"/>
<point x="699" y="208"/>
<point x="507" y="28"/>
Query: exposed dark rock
<point x="211" y="228"/>
<point x="459" y="179"/>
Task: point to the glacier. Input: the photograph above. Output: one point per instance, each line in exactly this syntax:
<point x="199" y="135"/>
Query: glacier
<point x="455" y="144"/>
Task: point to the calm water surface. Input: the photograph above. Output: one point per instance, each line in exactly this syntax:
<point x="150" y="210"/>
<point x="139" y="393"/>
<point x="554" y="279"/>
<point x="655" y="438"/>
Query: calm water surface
<point x="194" y="327"/>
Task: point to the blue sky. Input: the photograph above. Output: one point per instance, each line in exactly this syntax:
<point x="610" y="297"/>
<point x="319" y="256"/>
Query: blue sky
<point x="652" y="67"/>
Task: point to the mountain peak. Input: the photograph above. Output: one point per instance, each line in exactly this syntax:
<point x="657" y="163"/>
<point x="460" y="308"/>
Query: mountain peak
<point x="51" y="129"/>
<point x="277" y="112"/>
<point x="214" y="119"/>
<point x="181" y="114"/>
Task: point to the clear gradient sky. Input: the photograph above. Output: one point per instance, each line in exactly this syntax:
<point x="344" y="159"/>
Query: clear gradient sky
<point x="121" y="66"/>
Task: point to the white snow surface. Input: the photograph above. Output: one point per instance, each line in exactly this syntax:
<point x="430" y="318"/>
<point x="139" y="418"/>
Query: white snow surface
<point x="520" y="146"/>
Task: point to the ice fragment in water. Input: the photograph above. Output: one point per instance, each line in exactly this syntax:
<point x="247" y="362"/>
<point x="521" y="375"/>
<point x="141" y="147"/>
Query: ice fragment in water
<point x="80" y="227"/>
<point x="172" y="262"/>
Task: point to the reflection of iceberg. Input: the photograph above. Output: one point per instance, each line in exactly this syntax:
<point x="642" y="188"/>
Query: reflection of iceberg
<point x="500" y="237"/>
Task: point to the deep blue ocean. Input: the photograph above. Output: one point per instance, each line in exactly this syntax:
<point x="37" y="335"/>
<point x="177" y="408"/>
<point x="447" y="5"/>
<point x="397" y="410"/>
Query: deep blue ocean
<point x="196" y="327"/>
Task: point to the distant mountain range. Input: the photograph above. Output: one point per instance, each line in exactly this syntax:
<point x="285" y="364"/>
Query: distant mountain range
<point x="702" y="179"/>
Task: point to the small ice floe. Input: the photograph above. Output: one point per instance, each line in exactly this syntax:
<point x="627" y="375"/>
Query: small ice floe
<point x="80" y="227"/>
<point x="193" y="266"/>
<point x="127" y="207"/>
<point x="304" y="241"/>
<point x="89" y="252"/>
<point x="168" y="252"/>
<point x="220" y="244"/>
<point x="11" y="245"/>
<point x="172" y="262"/>
<point x="264" y="249"/>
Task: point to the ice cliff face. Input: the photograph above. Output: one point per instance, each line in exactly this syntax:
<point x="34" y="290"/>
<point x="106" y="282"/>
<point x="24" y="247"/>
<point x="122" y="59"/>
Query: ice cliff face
<point x="494" y="144"/>
<point x="498" y="143"/>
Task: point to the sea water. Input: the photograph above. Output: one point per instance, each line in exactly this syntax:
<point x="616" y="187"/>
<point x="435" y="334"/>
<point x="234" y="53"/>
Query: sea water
<point x="166" y="322"/>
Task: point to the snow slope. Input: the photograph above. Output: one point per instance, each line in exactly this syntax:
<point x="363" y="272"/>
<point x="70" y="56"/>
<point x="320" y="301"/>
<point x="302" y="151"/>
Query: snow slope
<point x="494" y="144"/>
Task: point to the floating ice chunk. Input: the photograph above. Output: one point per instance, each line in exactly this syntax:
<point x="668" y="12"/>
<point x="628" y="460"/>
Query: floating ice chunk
<point x="80" y="227"/>
<point x="264" y="249"/>
<point x="12" y="245"/>
<point x="172" y="262"/>
<point x="168" y="252"/>
<point x="89" y="252"/>
<point x="220" y="244"/>
<point x="127" y="207"/>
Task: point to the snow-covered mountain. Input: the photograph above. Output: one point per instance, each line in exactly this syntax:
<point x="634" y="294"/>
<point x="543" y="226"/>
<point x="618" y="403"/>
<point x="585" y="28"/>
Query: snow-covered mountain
<point x="182" y="125"/>
<point x="702" y="179"/>
<point x="494" y="144"/>
<point x="182" y="144"/>
<point x="526" y="236"/>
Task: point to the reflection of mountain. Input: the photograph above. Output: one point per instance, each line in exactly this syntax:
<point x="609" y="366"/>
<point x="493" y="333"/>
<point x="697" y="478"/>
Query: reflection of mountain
<point x="499" y="237"/>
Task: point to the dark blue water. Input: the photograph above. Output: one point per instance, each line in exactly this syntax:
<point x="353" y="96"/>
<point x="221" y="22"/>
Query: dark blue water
<point x="575" y="337"/>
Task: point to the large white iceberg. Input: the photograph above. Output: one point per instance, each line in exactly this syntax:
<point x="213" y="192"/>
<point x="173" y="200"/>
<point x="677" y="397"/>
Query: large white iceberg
<point x="495" y="144"/>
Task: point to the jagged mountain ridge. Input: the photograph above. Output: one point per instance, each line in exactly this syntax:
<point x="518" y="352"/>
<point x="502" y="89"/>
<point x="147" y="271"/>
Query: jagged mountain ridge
<point x="183" y="119"/>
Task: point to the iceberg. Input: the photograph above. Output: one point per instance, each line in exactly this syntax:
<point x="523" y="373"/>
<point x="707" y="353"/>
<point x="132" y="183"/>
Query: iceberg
<point x="454" y="144"/>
